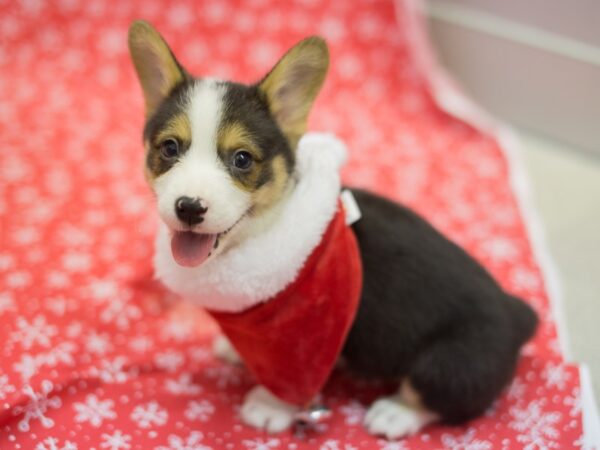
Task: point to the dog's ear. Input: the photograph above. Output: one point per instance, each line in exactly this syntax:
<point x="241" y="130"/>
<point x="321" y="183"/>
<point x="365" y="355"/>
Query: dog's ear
<point x="156" y="67"/>
<point x="292" y="85"/>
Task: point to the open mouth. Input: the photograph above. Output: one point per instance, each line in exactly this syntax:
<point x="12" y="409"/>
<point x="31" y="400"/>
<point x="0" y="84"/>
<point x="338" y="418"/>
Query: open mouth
<point x="190" y="249"/>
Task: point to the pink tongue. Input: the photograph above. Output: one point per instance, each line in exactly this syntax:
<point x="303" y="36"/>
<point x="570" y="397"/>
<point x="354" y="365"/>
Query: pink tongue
<point x="191" y="249"/>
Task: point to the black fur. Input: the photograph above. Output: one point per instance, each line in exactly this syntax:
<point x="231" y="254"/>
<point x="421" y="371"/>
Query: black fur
<point x="246" y="104"/>
<point x="430" y="312"/>
<point x="174" y="104"/>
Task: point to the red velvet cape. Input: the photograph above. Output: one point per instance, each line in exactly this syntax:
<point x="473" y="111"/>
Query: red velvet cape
<point x="291" y="342"/>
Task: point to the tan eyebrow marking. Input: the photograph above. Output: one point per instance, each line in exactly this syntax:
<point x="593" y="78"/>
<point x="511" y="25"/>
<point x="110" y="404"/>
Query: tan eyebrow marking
<point x="177" y="127"/>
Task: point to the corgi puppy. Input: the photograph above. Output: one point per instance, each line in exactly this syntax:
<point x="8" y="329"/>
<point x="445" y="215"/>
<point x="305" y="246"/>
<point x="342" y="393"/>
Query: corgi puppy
<point x="248" y="199"/>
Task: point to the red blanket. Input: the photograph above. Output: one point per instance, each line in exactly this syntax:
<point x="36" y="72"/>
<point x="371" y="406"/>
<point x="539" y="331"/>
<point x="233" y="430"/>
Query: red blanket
<point x="95" y="354"/>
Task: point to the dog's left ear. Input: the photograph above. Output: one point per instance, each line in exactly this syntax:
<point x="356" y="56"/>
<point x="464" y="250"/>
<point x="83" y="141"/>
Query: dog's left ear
<point x="157" y="69"/>
<point x="292" y="85"/>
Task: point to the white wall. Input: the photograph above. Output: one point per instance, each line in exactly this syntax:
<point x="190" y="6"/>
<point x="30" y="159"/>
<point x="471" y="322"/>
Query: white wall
<point x="534" y="62"/>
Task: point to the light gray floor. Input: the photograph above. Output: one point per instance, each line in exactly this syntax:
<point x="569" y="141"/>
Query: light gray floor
<point x="566" y="185"/>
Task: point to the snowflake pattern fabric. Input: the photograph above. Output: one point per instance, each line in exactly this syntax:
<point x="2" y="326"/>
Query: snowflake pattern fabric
<point x="97" y="355"/>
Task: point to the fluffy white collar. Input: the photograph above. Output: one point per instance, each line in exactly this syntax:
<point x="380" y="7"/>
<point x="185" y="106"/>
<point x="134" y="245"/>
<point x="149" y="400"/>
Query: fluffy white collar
<point x="263" y="265"/>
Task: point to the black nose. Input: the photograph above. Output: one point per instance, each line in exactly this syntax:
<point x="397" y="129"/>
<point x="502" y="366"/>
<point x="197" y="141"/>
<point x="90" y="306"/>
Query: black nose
<point x="190" y="210"/>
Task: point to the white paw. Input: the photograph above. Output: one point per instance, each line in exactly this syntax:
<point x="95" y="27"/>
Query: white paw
<point x="264" y="411"/>
<point x="223" y="350"/>
<point x="389" y="417"/>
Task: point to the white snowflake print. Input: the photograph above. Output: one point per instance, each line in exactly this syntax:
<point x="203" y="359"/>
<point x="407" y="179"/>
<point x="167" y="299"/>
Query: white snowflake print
<point x="6" y="261"/>
<point x="224" y="375"/>
<point x="14" y="169"/>
<point x="115" y="441"/>
<point x="501" y="249"/>
<point x="94" y="411"/>
<point x="182" y="385"/>
<point x="177" y="330"/>
<point x="579" y="442"/>
<point x="57" y="305"/>
<point x="112" y="370"/>
<point x="574" y="401"/>
<point x="353" y="412"/>
<point x="18" y="279"/>
<point x="35" y="332"/>
<point x="537" y="429"/>
<point x="74" y="261"/>
<point x="37" y="406"/>
<point x="52" y="443"/>
<point x="334" y="444"/>
<point x="200" y="410"/>
<point x="391" y="445"/>
<point x="169" y="361"/>
<point x="516" y="389"/>
<point x="192" y="442"/>
<point x="72" y="236"/>
<point x="98" y="343"/>
<point x="27" y="366"/>
<point x="121" y="313"/>
<point x="26" y="236"/>
<point x="6" y="302"/>
<point x="61" y="353"/>
<point x="5" y="387"/>
<point x="200" y="354"/>
<point x="149" y="414"/>
<point x="140" y="344"/>
<point x="556" y="375"/>
<point x="57" y="279"/>
<point x="180" y="16"/>
<point x="261" y="444"/>
<point x="466" y="441"/>
<point x="102" y="290"/>
<point x="524" y="278"/>
<point x="74" y="329"/>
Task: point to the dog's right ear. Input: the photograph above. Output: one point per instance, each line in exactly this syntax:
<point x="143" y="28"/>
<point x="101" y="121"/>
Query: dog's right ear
<point x="156" y="67"/>
<point x="291" y="87"/>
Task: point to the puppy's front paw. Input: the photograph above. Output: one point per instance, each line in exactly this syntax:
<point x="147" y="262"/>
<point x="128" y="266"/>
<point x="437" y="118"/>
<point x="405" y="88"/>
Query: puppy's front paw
<point x="223" y="350"/>
<point x="389" y="417"/>
<point x="263" y="410"/>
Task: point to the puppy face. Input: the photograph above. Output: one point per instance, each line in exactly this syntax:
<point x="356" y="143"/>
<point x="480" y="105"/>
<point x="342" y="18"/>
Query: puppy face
<point x="218" y="153"/>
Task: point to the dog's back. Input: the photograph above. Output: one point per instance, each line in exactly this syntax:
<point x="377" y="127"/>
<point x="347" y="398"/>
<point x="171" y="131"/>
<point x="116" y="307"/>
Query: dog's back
<point x="430" y="313"/>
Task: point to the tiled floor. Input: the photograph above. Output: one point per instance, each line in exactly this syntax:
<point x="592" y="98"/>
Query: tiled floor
<point x="566" y="188"/>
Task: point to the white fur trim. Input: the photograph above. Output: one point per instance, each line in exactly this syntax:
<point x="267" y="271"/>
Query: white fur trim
<point x="263" y="265"/>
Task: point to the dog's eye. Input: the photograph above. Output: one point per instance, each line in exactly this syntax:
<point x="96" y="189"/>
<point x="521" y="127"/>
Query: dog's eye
<point x="169" y="148"/>
<point x="242" y="160"/>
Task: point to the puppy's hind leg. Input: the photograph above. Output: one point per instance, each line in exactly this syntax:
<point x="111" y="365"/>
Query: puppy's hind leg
<point x="461" y="374"/>
<point x="398" y="415"/>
